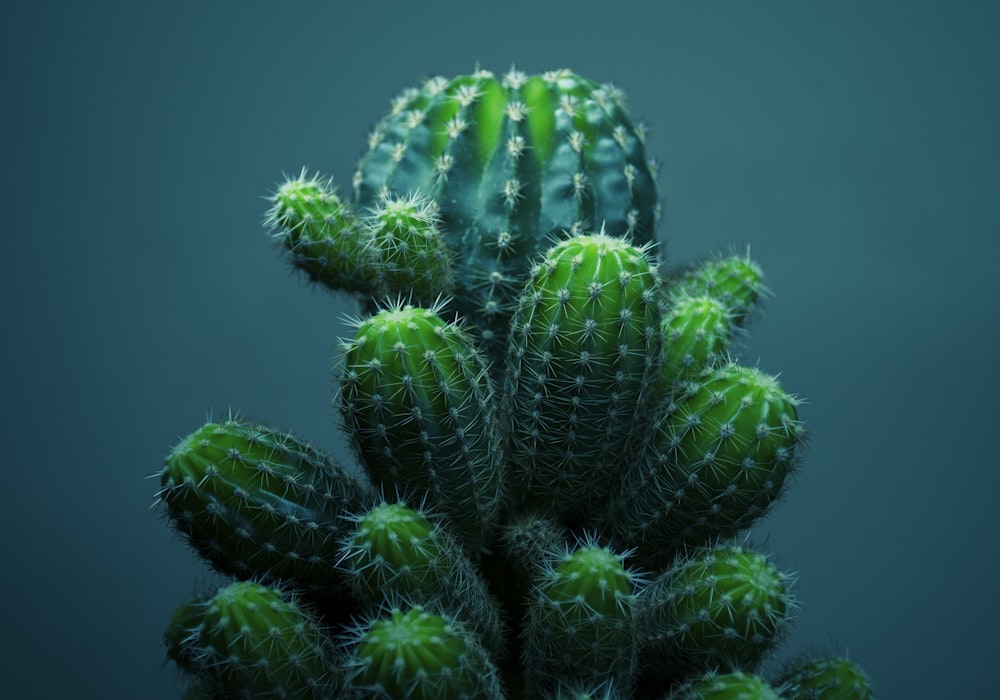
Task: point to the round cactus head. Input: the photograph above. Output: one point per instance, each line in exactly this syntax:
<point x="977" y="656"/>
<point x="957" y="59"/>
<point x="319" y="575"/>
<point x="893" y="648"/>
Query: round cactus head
<point x="416" y="654"/>
<point x="512" y="162"/>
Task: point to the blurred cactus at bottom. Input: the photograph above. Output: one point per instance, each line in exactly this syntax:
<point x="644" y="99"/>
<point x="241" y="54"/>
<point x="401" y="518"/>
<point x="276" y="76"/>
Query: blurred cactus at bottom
<point x="557" y="452"/>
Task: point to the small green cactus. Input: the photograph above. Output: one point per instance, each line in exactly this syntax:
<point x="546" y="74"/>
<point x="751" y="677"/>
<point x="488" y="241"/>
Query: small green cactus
<point x="417" y="401"/>
<point x="415" y="653"/>
<point x="322" y="235"/>
<point x="260" y="503"/>
<point x="717" y="462"/>
<point x="254" y="641"/>
<point x="581" y="623"/>
<point x="557" y="448"/>
<point x="736" y="685"/>
<point x="825" y="678"/>
<point x="584" y="352"/>
<point x="721" y="606"/>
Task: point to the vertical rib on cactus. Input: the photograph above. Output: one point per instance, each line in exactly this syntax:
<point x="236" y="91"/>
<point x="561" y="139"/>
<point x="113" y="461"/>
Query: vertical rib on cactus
<point x="418" y="404"/>
<point x="585" y="347"/>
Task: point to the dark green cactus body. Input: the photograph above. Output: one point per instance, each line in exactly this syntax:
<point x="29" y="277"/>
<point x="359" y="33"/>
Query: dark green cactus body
<point x="251" y="641"/>
<point x="415" y="653"/>
<point x="419" y="406"/>
<point x="585" y="348"/>
<point x="717" y="463"/>
<point x="723" y="606"/>
<point x="581" y="624"/>
<point x="396" y="551"/>
<point x="833" y="678"/>
<point x="512" y="162"/>
<point x="257" y="502"/>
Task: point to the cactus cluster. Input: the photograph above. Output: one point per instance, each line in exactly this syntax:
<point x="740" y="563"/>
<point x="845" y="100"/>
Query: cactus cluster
<point x="557" y="451"/>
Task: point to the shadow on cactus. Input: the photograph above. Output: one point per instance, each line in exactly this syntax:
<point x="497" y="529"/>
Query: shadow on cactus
<point x="558" y="451"/>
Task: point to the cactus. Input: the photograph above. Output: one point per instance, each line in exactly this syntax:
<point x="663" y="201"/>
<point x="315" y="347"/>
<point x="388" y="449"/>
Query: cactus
<point x="717" y="462"/>
<point x="557" y="449"/>
<point x="722" y="606"/>
<point x="584" y="350"/>
<point x="413" y="652"/>
<point x="736" y="685"/>
<point x="260" y="503"/>
<point x="581" y="623"/>
<point x="418" y="404"/>
<point x="824" y="678"/>
<point x="252" y="640"/>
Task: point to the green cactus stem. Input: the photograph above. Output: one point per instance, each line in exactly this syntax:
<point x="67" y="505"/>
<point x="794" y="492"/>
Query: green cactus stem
<point x="723" y="606"/>
<point x="581" y="624"/>
<point x="585" y="349"/>
<point x="717" y="463"/>
<point x="416" y="653"/>
<point x="260" y="503"/>
<point x="322" y="236"/>
<point x="418" y="403"/>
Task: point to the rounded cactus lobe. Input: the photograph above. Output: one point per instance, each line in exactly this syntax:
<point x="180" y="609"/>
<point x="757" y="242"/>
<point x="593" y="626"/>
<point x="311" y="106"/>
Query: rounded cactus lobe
<point x="585" y="348"/>
<point x="512" y="161"/>
<point x="735" y="280"/>
<point x="697" y="333"/>
<point x="830" y="678"/>
<point x="719" y="607"/>
<point x="322" y="236"/>
<point x="737" y="685"/>
<point x="257" y="502"/>
<point x="417" y="654"/>
<point x="409" y="249"/>
<point x="419" y="406"/>
<point x="253" y="641"/>
<point x="717" y="463"/>
<point x="396" y="551"/>
<point x="580" y="625"/>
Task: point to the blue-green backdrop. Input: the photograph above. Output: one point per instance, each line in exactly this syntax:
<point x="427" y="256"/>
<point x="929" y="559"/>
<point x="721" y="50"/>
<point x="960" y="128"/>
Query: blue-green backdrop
<point x="853" y="145"/>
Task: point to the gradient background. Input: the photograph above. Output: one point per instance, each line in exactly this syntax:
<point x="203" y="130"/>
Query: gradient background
<point x="853" y="144"/>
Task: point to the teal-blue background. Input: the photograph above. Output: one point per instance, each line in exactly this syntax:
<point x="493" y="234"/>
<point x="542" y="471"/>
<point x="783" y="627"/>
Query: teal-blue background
<point x="853" y="145"/>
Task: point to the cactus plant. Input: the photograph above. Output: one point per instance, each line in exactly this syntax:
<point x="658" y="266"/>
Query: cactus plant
<point x="556" y="446"/>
